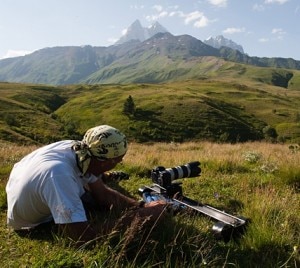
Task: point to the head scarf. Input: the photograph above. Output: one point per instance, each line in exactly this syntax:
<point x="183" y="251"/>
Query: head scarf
<point x="104" y="142"/>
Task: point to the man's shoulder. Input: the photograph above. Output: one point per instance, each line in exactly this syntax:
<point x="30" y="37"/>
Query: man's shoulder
<point x="59" y="144"/>
<point x="60" y="151"/>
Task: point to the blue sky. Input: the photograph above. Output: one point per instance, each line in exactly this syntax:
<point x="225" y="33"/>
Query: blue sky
<point x="265" y="28"/>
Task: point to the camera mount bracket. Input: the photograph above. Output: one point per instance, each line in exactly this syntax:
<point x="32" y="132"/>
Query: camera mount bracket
<point x="226" y="227"/>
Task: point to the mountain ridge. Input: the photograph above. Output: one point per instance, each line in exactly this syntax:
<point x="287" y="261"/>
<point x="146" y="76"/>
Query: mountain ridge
<point x="137" y="32"/>
<point x="114" y="64"/>
<point x="220" y="41"/>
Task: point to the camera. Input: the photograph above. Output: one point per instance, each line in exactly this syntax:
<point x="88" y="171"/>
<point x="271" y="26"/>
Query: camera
<point x="166" y="189"/>
<point x="164" y="177"/>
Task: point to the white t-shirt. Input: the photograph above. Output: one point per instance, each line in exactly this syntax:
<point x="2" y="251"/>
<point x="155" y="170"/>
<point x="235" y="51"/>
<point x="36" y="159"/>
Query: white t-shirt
<point x="46" y="184"/>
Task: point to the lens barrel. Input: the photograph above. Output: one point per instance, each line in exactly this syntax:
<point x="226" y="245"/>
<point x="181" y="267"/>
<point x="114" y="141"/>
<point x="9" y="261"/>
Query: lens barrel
<point x="164" y="177"/>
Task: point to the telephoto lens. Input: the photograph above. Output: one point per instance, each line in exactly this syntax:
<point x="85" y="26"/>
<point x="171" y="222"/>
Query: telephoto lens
<point x="164" y="177"/>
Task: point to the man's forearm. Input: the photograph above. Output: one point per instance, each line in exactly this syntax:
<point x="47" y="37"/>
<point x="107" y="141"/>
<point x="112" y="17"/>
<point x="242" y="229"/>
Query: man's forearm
<point x="107" y="197"/>
<point x="116" y="199"/>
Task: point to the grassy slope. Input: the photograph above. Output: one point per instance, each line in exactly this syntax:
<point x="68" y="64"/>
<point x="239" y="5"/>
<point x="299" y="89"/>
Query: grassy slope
<point x="236" y="102"/>
<point x="26" y="112"/>
<point x="192" y="109"/>
<point x="152" y="68"/>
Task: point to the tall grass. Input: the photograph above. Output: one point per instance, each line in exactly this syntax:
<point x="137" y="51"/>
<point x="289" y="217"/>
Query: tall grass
<point x="259" y="181"/>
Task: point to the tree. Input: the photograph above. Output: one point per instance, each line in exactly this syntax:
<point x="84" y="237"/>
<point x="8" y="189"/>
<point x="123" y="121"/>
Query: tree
<point x="129" y="106"/>
<point x="269" y="133"/>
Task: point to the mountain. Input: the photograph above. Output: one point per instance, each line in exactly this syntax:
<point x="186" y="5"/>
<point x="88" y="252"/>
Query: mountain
<point x="155" y="60"/>
<point x="220" y="41"/>
<point x="137" y="32"/>
<point x="161" y="58"/>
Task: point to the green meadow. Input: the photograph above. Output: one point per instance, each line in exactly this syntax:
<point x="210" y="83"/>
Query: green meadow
<point x="218" y="111"/>
<point x="245" y="134"/>
<point x="257" y="180"/>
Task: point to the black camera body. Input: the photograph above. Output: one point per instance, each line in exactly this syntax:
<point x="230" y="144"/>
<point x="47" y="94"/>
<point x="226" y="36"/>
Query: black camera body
<point x="167" y="189"/>
<point x="164" y="177"/>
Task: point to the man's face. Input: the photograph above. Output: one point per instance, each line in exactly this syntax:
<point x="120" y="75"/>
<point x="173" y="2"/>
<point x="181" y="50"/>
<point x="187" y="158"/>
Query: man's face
<point x="98" y="166"/>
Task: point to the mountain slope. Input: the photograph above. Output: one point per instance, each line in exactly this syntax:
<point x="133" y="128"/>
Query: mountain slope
<point x="162" y="58"/>
<point x="155" y="60"/>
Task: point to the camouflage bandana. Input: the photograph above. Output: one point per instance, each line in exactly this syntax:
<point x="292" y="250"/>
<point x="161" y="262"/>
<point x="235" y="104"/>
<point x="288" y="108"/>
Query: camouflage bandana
<point x="103" y="142"/>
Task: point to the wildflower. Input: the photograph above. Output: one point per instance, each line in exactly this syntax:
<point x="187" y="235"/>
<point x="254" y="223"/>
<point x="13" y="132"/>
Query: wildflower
<point x="252" y="157"/>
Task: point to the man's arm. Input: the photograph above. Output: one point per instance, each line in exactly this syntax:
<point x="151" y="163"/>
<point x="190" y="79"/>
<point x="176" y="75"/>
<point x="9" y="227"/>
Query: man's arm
<point x="107" y="197"/>
<point x="82" y="232"/>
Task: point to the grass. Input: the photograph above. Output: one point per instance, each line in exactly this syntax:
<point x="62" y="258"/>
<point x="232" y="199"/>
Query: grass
<point x="257" y="180"/>
<point x="206" y="109"/>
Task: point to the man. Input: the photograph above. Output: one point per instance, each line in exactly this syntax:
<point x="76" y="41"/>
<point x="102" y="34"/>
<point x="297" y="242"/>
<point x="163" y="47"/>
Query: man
<point x="48" y="184"/>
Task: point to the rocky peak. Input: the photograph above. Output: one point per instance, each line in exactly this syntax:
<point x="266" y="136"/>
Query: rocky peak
<point x="221" y="41"/>
<point x="156" y="28"/>
<point x="137" y="32"/>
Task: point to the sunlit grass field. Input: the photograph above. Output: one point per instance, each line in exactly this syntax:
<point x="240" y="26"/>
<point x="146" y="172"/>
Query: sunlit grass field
<point x="259" y="181"/>
<point x="214" y="110"/>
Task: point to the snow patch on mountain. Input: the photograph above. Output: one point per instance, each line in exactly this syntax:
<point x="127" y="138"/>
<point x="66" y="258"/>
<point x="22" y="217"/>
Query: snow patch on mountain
<point x="221" y="41"/>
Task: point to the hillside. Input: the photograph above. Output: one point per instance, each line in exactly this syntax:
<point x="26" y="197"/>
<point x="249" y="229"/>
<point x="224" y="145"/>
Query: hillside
<point x="161" y="58"/>
<point x="223" y="111"/>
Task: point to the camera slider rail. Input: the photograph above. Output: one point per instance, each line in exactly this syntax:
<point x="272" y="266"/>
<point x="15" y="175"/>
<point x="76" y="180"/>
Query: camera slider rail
<point x="226" y="227"/>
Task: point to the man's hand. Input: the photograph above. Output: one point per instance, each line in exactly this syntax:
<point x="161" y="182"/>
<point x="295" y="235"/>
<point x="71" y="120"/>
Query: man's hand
<point x="153" y="209"/>
<point x="116" y="176"/>
<point x="155" y="203"/>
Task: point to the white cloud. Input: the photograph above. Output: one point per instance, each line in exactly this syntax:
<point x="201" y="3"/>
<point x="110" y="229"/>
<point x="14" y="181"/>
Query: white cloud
<point x="218" y="3"/>
<point x="202" y="22"/>
<point x="198" y="19"/>
<point x="158" y="8"/>
<point x="233" y="30"/>
<point x="263" y="40"/>
<point x="278" y="31"/>
<point x="160" y="13"/>
<point x="176" y="13"/>
<point x="277" y="34"/>
<point x="192" y="17"/>
<point x="276" y="1"/>
<point x="258" y="7"/>
<point x="136" y="7"/>
<point x="16" y="53"/>
<point x="157" y="16"/>
<point x="163" y="14"/>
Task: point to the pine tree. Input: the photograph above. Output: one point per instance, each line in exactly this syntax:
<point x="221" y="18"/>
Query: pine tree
<point x="129" y="106"/>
